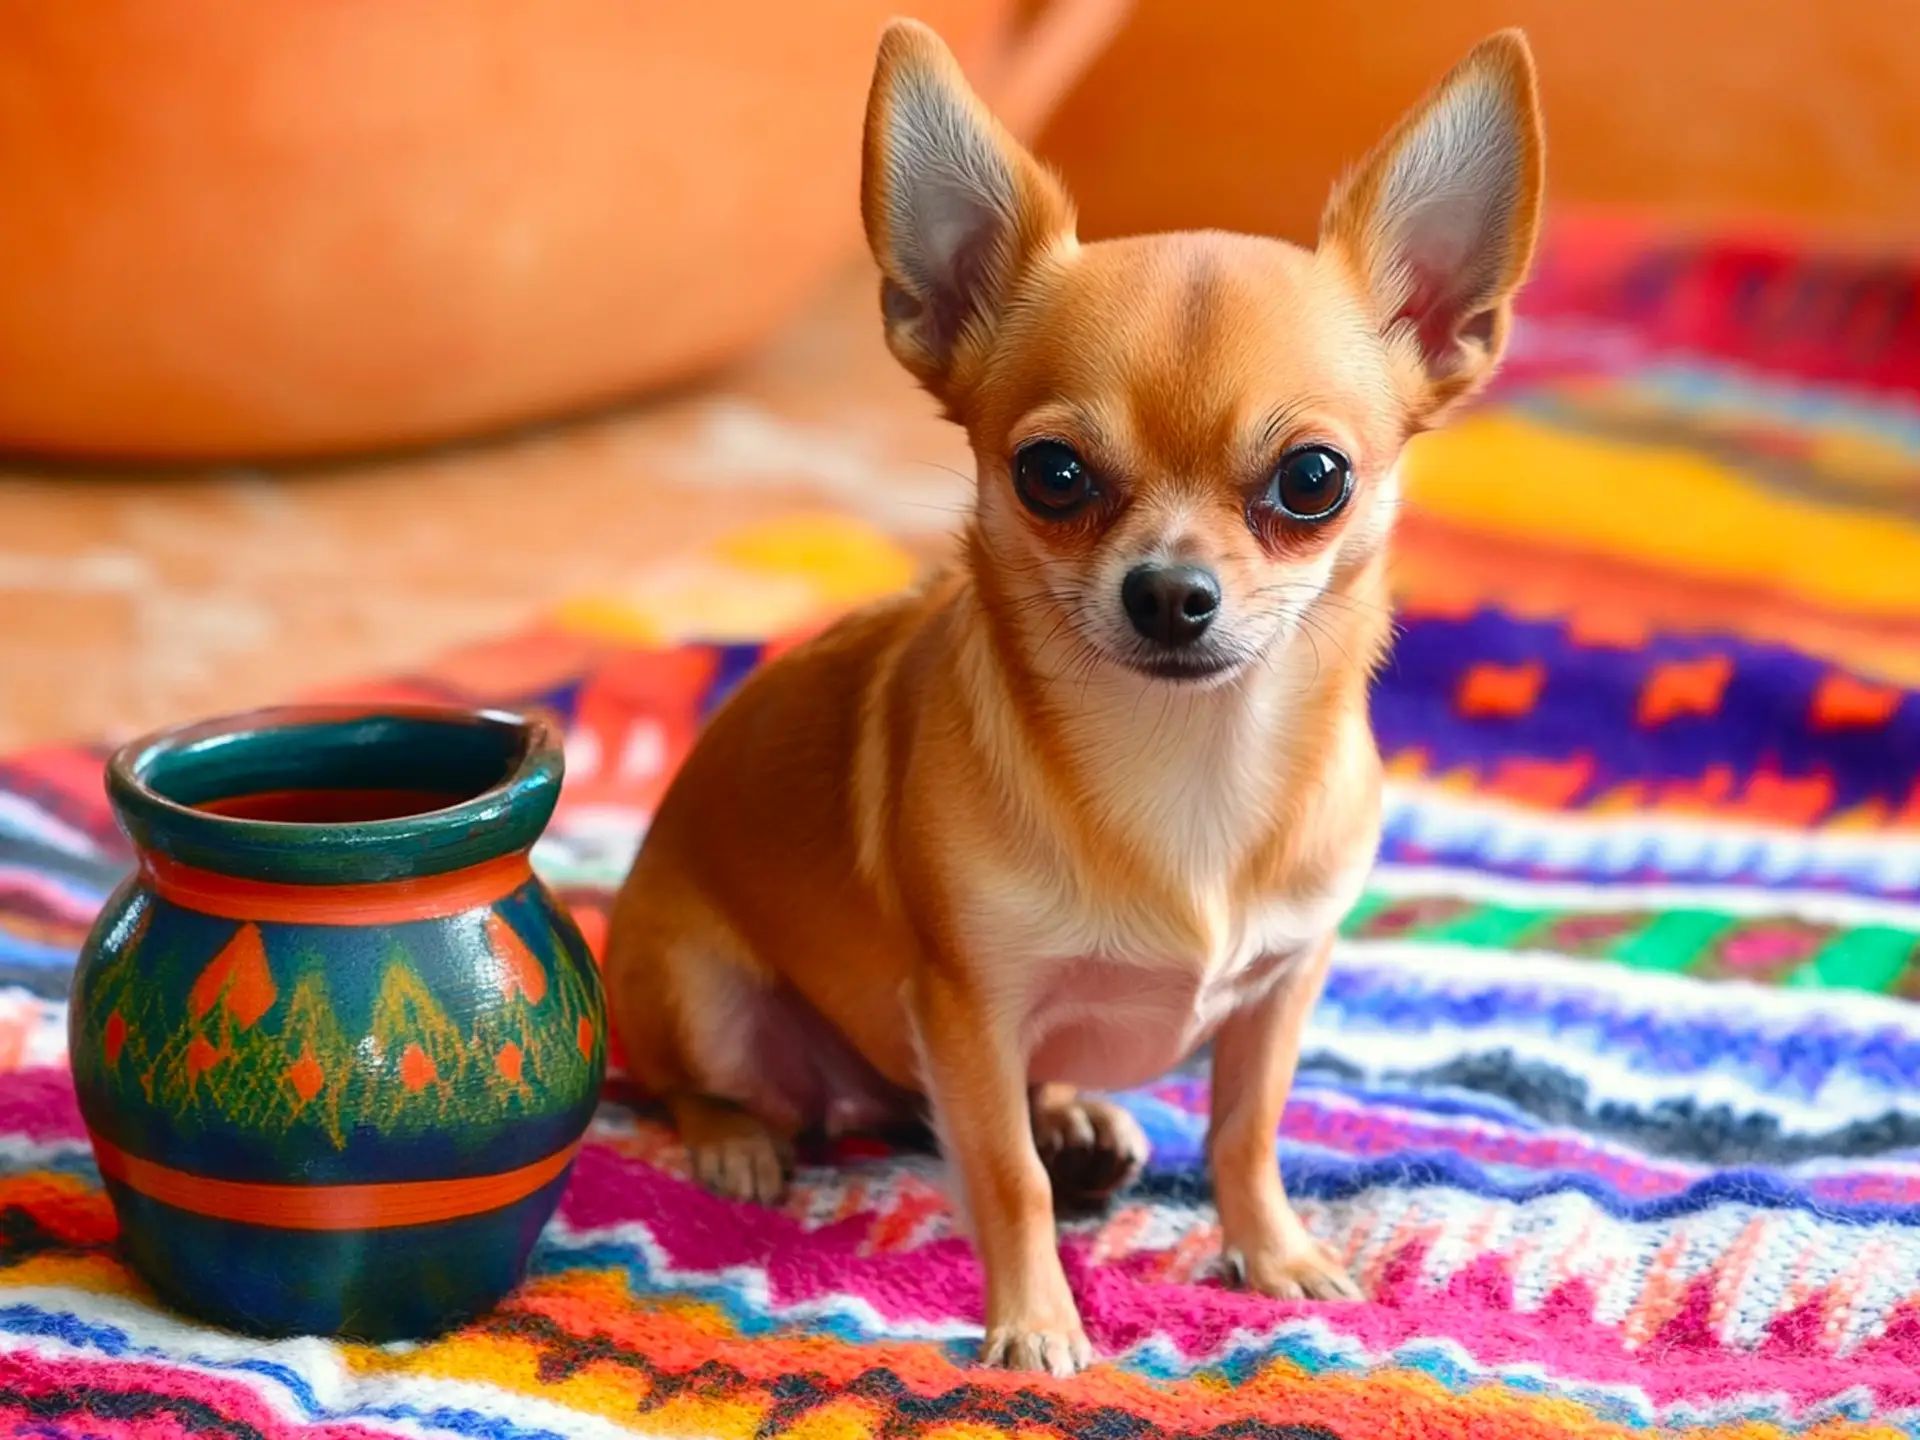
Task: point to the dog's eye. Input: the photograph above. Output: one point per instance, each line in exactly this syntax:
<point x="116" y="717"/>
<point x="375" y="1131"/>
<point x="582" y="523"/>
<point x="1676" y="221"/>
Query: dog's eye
<point x="1311" y="484"/>
<point x="1053" y="481"/>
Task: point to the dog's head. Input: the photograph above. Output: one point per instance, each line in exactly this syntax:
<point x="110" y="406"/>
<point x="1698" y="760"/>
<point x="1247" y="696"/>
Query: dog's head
<point x="1184" y="440"/>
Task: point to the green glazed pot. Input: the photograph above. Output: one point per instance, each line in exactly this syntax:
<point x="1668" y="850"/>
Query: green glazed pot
<point x="335" y="1044"/>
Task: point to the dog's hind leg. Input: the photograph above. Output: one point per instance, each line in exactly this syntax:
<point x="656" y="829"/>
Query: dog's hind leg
<point x="693" y="1012"/>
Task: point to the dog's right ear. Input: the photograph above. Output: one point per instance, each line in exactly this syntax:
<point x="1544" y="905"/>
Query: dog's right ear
<point x="954" y="206"/>
<point x="1439" y="221"/>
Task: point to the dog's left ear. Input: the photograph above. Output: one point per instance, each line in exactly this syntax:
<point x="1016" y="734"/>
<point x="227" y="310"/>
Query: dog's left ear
<point x="1439" y="221"/>
<point x="955" y="209"/>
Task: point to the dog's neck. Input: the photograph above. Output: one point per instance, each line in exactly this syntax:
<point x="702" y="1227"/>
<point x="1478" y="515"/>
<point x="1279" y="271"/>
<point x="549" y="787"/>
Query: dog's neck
<point x="1182" y="783"/>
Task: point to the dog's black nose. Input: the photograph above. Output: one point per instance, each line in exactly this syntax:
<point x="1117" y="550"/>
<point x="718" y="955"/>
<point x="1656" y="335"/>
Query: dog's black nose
<point x="1172" y="604"/>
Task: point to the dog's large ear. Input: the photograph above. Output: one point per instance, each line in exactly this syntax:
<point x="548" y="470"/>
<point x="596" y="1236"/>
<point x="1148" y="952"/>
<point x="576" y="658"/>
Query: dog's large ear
<point x="1439" y="221"/>
<point x="954" y="207"/>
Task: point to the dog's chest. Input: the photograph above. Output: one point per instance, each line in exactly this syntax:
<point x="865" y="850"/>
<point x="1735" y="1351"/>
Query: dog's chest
<point x="1131" y="1006"/>
<point x="1116" y="982"/>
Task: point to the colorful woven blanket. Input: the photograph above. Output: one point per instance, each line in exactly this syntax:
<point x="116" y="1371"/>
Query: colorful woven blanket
<point x="1613" y="1103"/>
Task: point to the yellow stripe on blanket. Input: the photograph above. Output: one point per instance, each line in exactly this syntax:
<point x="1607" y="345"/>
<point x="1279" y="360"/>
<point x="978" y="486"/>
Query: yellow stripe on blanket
<point x="757" y="582"/>
<point x="1501" y="474"/>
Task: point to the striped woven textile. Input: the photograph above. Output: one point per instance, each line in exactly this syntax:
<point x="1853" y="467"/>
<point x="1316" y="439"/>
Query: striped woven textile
<point x="1613" y="1103"/>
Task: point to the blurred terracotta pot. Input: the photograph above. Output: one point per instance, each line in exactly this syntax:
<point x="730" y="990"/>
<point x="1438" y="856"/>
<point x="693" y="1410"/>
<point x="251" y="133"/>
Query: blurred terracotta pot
<point x="268" y="227"/>
<point x="1239" y="113"/>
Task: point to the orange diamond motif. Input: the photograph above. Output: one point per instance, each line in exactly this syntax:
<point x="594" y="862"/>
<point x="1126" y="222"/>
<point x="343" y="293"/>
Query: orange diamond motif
<point x="201" y="1057"/>
<point x="518" y="968"/>
<point x="237" y="976"/>
<point x="585" y="1037"/>
<point x="116" y="1036"/>
<point x="417" y="1070"/>
<point x="509" y="1060"/>
<point x="306" y="1076"/>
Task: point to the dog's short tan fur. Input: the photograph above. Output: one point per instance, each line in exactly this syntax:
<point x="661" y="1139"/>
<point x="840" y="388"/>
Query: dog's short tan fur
<point x="971" y="845"/>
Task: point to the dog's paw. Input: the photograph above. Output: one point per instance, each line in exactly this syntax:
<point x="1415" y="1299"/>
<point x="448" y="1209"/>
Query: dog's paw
<point x="1060" y="1349"/>
<point x="731" y="1152"/>
<point x="1301" y="1269"/>
<point x="1091" y="1147"/>
<point x="745" y="1167"/>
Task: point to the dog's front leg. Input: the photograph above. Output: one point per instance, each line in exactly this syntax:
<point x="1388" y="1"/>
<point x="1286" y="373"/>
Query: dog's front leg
<point x="1255" y="1053"/>
<point x="976" y="1077"/>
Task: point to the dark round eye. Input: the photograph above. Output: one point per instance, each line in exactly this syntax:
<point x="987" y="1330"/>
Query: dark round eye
<point x="1311" y="483"/>
<point x="1053" y="481"/>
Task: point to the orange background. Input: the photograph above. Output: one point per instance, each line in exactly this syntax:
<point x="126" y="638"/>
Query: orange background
<point x="1238" y="113"/>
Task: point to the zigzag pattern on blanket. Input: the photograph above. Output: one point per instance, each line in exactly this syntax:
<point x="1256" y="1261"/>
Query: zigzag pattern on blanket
<point x="1468" y="1214"/>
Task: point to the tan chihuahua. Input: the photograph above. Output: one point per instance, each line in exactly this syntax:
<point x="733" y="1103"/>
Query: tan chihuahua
<point x="1100" y="795"/>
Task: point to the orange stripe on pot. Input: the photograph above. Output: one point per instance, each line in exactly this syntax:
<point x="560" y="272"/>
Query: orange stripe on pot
<point x="389" y="902"/>
<point x="328" y="1207"/>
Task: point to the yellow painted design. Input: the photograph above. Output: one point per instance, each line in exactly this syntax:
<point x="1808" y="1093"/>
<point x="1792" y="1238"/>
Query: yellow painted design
<point x="408" y="1022"/>
<point x="1504" y="475"/>
<point x="225" y="1063"/>
<point x="269" y="1065"/>
<point x="312" y="1032"/>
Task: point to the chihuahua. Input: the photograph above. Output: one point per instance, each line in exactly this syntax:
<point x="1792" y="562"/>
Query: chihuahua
<point x="1099" y="795"/>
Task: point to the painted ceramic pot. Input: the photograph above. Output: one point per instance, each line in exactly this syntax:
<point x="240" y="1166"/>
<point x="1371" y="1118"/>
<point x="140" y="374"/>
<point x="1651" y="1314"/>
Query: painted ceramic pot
<point x="336" y="1045"/>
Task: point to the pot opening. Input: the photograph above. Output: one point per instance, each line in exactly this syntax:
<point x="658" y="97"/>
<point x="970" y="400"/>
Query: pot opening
<point x="331" y="795"/>
<point x="344" y="771"/>
<point x="331" y="807"/>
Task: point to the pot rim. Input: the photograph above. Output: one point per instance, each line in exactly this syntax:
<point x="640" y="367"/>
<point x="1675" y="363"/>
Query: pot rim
<point x="503" y="817"/>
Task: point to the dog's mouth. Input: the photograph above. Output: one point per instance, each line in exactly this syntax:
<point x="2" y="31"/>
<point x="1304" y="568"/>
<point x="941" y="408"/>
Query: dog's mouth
<point x="1204" y="662"/>
<point x="1180" y="668"/>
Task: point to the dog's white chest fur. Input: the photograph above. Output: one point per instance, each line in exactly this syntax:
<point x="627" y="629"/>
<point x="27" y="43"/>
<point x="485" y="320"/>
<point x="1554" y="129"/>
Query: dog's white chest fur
<point x="1118" y="1016"/>
<point x="1115" y="989"/>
